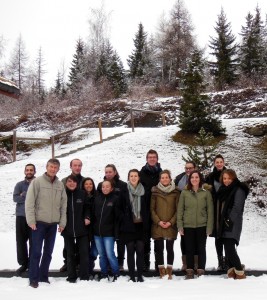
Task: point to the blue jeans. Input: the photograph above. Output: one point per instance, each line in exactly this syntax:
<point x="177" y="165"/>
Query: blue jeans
<point x="93" y="253"/>
<point x="105" y="248"/>
<point x="43" y="237"/>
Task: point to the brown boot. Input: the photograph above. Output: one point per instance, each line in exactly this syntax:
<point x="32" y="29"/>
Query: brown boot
<point x="169" y="272"/>
<point x="189" y="274"/>
<point x="239" y="274"/>
<point x="200" y="272"/>
<point x="183" y="263"/>
<point x="231" y="273"/>
<point x="162" y="271"/>
<point x="195" y="262"/>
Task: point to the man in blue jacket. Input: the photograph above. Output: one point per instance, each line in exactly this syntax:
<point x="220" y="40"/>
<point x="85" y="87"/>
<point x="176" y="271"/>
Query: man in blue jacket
<point x="23" y="231"/>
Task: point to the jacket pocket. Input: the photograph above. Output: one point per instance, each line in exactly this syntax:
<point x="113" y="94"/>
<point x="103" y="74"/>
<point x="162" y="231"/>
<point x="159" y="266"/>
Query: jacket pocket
<point x="228" y="224"/>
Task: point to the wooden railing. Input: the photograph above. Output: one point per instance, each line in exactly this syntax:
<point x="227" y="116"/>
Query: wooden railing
<point x="99" y="123"/>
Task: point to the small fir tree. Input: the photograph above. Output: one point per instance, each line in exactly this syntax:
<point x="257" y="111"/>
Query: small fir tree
<point x="195" y="111"/>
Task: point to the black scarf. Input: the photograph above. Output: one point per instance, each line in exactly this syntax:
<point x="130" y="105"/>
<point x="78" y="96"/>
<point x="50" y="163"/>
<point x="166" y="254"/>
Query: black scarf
<point x="153" y="170"/>
<point x="216" y="174"/>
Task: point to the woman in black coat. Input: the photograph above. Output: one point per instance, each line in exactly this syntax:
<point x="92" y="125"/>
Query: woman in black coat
<point x="231" y="200"/>
<point x="132" y="224"/>
<point x="76" y="230"/>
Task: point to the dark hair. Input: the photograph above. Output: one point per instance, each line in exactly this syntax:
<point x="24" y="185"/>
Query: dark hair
<point x="73" y="160"/>
<point x="53" y="161"/>
<point x="73" y="178"/>
<point x="165" y="172"/>
<point x="30" y="165"/>
<point x="218" y="156"/>
<point x="151" y="151"/>
<point x="189" y="184"/>
<point x="191" y="162"/>
<point x="230" y="172"/>
<point x="86" y="179"/>
<point x="117" y="176"/>
<point x="111" y="182"/>
<point x="133" y="171"/>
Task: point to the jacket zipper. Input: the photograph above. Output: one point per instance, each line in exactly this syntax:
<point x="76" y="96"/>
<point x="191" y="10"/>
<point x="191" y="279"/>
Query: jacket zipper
<point x="101" y="215"/>
<point x="73" y="215"/>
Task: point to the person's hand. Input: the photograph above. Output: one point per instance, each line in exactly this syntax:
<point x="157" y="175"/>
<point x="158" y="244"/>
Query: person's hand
<point x="33" y="226"/>
<point x="181" y="231"/>
<point x="87" y="222"/>
<point x="60" y="229"/>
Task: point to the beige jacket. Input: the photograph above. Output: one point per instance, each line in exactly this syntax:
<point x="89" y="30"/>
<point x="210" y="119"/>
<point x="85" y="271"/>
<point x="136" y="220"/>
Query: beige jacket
<point x="46" y="201"/>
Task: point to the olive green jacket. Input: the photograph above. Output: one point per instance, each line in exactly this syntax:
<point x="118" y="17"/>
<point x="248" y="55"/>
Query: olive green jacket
<point x="195" y="209"/>
<point x="163" y="207"/>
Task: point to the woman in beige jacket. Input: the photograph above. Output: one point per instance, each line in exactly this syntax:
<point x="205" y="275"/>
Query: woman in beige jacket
<point x="164" y="202"/>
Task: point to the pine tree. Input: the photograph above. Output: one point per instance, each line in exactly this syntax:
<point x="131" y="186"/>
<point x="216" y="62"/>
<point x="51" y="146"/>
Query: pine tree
<point x="195" y="111"/>
<point x="77" y="70"/>
<point x="253" y="47"/>
<point x="138" y="60"/>
<point x="203" y="152"/>
<point x="225" y="50"/>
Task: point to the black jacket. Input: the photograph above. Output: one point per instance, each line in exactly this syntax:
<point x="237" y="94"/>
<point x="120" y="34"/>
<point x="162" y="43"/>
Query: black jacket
<point x="77" y="210"/>
<point x="106" y="215"/>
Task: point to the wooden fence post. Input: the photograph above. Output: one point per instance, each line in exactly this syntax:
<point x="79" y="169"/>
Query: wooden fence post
<point x="53" y="146"/>
<point x="163" y="119"/>
<point x="100" y="130"/>
<point x="14" y="145"/>
<point x="132" y="120"/>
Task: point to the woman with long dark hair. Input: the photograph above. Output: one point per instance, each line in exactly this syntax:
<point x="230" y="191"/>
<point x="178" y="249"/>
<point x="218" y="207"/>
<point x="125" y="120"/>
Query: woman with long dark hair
<point x="231" y="200"/>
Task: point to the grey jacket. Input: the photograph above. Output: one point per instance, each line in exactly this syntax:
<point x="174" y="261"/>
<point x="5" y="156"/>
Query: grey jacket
<point x="19" y="197"/>
<point x="46" y="201"/>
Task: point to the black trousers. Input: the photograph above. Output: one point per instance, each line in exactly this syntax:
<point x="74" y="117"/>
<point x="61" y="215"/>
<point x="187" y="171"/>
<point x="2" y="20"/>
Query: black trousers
<point x="135" y="247"/>
<point x="120" y="252"/>
<point x="219" y="247"/>
<point x="159" y="252"/>
<point x="83" y="246"/>
<point x="195" y="240"/>
<point x="23" y="236"/>
<point x="231" y="254"/>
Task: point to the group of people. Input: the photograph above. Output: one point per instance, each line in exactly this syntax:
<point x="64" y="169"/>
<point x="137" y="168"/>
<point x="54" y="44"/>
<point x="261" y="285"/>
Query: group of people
<point x="149" y="205"/>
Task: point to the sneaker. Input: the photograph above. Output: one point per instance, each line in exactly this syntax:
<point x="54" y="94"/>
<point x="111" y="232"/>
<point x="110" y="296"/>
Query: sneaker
<point x="21" y="270"/>
<point x="34" y="284"/>
<point x="140" y="279"/>
<point x="63" y="269"/>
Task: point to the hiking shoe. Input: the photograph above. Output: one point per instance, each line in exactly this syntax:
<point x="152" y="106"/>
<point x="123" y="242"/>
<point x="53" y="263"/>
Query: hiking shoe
<point x="34" y="284"/>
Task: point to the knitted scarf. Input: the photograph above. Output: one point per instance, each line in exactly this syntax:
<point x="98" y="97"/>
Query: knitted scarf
<point x="153" y="170"/>
<point x="135" y="198"/>
<point x="166" y="189"/>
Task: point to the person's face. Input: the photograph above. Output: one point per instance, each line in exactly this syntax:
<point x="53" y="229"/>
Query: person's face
<point x="189" y="168"/>
<point x="134" y="178"/>
<point x="52" y="169"/>
<point x="71" y="185"/>
<point x="76" y="167"/>
<point x="88" y="186"/>
<point x="195" y="180"/>
<point x="29" y="172"/>
<point x="110" y="173"/>
<point x="227" y="180"/>
<point x="219" y="163"/>
<point x="106" y="187"/>
<point x="152" y="159"/>
<point x="165" y="179"/>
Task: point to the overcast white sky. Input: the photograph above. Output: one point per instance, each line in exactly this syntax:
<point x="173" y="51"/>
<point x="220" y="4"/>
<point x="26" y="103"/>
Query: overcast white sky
<point x="55" y="25"/>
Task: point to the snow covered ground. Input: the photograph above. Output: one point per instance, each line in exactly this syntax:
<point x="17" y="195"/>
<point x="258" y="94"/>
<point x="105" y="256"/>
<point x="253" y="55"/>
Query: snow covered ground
<point x="126" y="152"/>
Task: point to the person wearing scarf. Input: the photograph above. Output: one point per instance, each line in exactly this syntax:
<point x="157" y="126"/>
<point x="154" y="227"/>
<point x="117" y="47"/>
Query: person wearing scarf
<point x="213" y="179"/>
<point x="132" y="226"/>
<point x="231" y="198"/>
<point x="163" y="207"/>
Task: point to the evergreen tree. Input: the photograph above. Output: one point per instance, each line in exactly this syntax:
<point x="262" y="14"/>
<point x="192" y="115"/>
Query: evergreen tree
<point x="139" y="59"/>
<point x="225" y="50"/>
<point x="195" y="111"/>
<point x="77" y="69"/>
<point x="253" y="47"/>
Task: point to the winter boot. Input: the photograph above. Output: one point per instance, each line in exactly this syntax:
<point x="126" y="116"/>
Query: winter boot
<point x="239" y="274"/>
<point x="231" y="273"/>
<point x="200" y="272"/>
<point x="169" y="272"/>
<point x="184" y="266"/>
<point x="162" y="271"/>
<point x="189" y="274"/>
<point x="195" y="262"/>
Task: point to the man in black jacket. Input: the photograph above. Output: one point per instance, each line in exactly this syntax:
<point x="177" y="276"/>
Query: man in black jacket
<point x="149" y="177"/>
